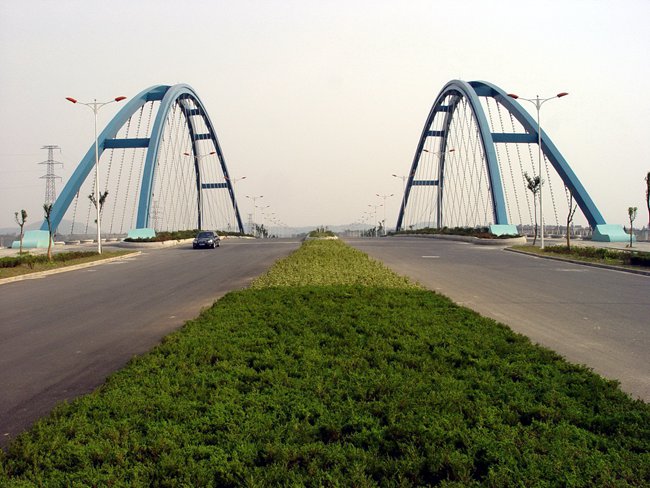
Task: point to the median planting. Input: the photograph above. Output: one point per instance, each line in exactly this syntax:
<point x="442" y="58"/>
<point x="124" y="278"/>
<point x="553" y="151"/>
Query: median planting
<point x="333" y="371"/>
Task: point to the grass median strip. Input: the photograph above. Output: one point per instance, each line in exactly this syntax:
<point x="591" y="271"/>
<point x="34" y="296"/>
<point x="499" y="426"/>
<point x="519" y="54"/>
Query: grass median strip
<point x="11" y="267"/>
<point x="344" y="381"/>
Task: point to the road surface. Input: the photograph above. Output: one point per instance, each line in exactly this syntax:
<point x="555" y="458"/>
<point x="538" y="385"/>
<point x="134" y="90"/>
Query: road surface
<point x="63" y="334"/>
<point x="597" y="317"/>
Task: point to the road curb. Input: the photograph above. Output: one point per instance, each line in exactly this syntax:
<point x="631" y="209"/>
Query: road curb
<point x="583" y="263"/>
<point x="40" y="274"/>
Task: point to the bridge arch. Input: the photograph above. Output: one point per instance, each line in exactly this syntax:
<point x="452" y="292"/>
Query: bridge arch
<point x="458" y="168"/>
<point x="179" y="153"/>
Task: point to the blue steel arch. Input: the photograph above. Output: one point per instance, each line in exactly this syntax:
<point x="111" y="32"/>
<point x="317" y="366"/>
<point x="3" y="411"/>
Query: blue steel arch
<point x="569" y="178"/>
<point x="472" y="91"/>
<point x="167" y="95"/>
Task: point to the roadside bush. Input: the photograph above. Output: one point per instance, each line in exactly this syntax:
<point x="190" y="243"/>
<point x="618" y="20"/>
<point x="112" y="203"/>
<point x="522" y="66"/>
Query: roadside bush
<point x="321" y="232"/>
<point x="640" y="259"/>
<point x="30" y="260"/>
<point x="634" y="258"/>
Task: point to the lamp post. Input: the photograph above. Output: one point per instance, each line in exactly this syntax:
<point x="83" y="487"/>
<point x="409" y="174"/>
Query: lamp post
<point x="95" y="106"/>
<point x="262" y="208"/>
<point x="439" y="193"/>
<point x="197" y="159"/>
<point x="403" y="178"/>
<point x="375" y="207"/>
<point x="254" y="198"/>
<point x="234" y="181"/>
<point x="538" y="102"/>
<point x="385" y="197"/>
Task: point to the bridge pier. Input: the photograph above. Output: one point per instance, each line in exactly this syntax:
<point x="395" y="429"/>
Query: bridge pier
<point x="610" y="233"/>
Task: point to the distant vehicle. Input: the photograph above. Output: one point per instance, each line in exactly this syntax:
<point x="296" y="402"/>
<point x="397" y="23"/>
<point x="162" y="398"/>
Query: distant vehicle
<point x="205" y="239"/>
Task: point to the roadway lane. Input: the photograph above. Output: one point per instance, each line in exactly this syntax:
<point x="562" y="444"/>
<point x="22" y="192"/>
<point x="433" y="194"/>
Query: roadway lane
<point x="62" y="335"/>
<point x="592" y="316"/>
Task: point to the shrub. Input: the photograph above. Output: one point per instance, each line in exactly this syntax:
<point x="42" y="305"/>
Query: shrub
<point x="634" y="258"/>
<point x="30" y="260"/>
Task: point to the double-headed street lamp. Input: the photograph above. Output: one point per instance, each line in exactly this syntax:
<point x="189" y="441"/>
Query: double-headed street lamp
<point x="538" y="102"/>
<point x="95" y="106"/>
<point x="197" y="159"/>
<point x="404" y="178"/>
<point x="375" y="207"/>
<point x="254" y="198"/>
<point x="234" y="181"/>
<point x="385" y="197"/>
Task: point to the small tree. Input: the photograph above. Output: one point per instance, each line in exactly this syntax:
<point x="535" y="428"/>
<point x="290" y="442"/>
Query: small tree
<point x="534" y="184"/>
<point x="631" y="212"/>
<point x="47" y="208"/>
<point x="21" y="222"/>
<point x="102" y="199"/>
<point x="569" y="219"/>
<point x="261" y="231"/>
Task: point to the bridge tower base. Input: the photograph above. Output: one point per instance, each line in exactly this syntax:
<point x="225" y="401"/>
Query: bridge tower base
<point x="610" y="233"/>
<point x="33" y="239"/>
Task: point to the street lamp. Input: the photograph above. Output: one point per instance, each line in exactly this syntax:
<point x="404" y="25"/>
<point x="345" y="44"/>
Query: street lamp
<point x="438" y="152"/>
<point x="439" y="193"/>
<point x="538" y="102"/>
<point x="95" y="106"/>
<point x="403" y="178"/>
<point x="254" y="206"/>
<point x="384" y="197"/>
<point x="234" y="181"/>
<point x="263" y="217"/>
<point x="375" y="207"/>
<point x="197" y="159"/>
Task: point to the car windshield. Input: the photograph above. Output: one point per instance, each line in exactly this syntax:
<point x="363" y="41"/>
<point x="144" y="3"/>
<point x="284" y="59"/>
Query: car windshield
<point x="205" y="234"/>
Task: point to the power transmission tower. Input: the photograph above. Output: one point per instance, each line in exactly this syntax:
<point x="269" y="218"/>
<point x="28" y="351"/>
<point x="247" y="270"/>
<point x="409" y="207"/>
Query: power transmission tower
<point x="50" y="178"/>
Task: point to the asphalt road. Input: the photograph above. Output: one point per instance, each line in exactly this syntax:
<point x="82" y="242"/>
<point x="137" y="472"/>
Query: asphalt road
<point x="63" y="334"/>
<point x="591" y="316"/>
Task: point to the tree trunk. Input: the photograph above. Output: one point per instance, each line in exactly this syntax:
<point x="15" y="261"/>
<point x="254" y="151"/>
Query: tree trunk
<point x="535" y="235"/>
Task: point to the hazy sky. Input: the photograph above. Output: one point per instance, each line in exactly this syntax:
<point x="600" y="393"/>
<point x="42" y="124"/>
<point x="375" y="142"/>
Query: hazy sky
<point x="317" y="103"/>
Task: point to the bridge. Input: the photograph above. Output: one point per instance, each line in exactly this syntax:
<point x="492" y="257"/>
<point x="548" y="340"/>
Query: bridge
<point x="162" y="168"/>
<point x="470" y="166"/>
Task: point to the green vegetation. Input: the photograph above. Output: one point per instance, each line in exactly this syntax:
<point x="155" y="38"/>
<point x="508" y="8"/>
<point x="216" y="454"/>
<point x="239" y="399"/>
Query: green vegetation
<point x="324" y="263"/>
<point x="178" y="235"/>
<point x="21" y="223"/>
<point x="480" y="232"/>
<point x="31" y="263"/>
<point x="593" y="254"/>
<point x="349" y="380"/>
<point x="321" y="232"/>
